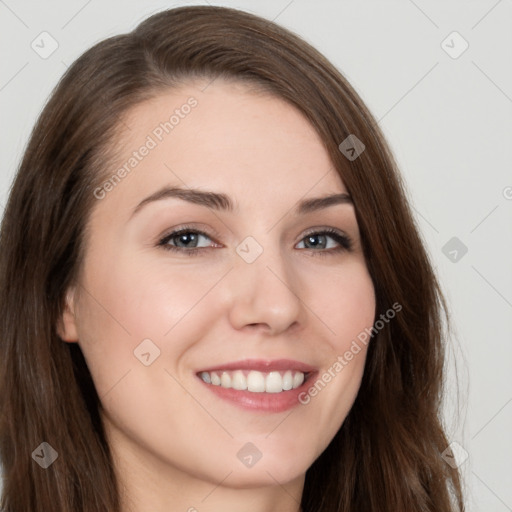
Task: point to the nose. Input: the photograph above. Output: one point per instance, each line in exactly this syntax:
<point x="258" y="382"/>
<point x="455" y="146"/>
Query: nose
<point x="265" y="294"/>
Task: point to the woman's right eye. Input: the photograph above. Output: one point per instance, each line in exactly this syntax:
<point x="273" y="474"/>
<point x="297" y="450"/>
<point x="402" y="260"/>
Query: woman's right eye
<point x="183" y="240"/>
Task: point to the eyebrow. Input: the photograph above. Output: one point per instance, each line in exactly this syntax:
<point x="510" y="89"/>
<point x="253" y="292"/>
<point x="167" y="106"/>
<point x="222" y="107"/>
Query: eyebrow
<point x="222" y="202"/>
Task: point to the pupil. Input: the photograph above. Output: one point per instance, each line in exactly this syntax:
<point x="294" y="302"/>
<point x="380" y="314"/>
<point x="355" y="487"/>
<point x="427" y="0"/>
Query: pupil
<point x="312" y="239"/>
<point x="186" y="238"/>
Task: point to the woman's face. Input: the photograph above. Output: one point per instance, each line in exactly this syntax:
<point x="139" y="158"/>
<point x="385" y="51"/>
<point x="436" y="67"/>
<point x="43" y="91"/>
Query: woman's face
<point x="254" y="295"/>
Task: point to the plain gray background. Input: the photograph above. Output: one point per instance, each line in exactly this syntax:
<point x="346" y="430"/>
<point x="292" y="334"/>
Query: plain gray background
<point x="448" y="119"/>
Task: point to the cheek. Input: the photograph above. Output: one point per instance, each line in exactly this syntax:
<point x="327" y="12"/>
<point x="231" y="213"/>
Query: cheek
<point x="129" y="302"/>
<point x="146" y="298"/>
<point x="347" y="304"/>
<point x="348" y="309"/>
<point x="169" y="303"/>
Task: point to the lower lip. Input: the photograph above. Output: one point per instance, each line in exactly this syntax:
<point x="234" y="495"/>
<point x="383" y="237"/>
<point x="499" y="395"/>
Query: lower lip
<point x="264" y="402"/>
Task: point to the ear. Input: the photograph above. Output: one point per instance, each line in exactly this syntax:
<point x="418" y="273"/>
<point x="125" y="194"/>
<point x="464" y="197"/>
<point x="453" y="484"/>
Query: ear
<point x="66" y="324"/>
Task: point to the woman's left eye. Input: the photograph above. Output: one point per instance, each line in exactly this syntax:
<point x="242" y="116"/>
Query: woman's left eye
<point x="343" y="241"/>
<point x="186" y="240"/>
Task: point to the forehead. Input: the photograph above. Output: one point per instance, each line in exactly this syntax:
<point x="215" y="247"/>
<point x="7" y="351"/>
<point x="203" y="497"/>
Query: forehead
<point x="227" y="138"/>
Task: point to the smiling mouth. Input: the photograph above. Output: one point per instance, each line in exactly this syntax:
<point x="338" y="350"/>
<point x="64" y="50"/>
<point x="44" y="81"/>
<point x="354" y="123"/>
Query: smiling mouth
<point x="255" y="381"/>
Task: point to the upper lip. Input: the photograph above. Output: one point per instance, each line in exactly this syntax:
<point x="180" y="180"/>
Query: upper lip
<point x="262" y="365"/>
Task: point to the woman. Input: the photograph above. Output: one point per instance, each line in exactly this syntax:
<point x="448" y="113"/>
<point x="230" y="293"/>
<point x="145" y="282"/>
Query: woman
<point x="215" y="296"/>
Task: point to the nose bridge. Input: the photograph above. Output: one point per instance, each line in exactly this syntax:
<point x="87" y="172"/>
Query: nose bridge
<point x="263" y="285"/>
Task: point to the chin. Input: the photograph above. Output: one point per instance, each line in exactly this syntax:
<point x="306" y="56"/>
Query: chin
<point x="264" y="475"/>
<point x="274" y="466"/>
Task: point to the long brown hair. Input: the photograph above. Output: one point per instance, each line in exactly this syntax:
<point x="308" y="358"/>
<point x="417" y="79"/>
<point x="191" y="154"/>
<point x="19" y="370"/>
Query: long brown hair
<point x="387" y="454"/>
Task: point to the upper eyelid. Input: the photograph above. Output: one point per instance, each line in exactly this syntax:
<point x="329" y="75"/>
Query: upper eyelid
<point x="204" y="231"/>
<point x="185" y="229"/>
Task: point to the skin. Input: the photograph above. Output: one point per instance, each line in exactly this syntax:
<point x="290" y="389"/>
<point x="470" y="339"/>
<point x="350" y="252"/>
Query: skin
<point x="174" y="442"/>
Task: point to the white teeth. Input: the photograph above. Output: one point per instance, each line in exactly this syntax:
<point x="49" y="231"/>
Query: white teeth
<point x="274" y="383"/>
<point x="287" y="381"/>
<point x="254" y="381"/>
<point x="298" y="379"/>
<point x="225" y="380"/>
<point x="239" y="381"/>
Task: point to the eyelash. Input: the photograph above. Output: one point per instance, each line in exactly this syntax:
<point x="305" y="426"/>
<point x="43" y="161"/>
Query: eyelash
<point x="344" y="241"/>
